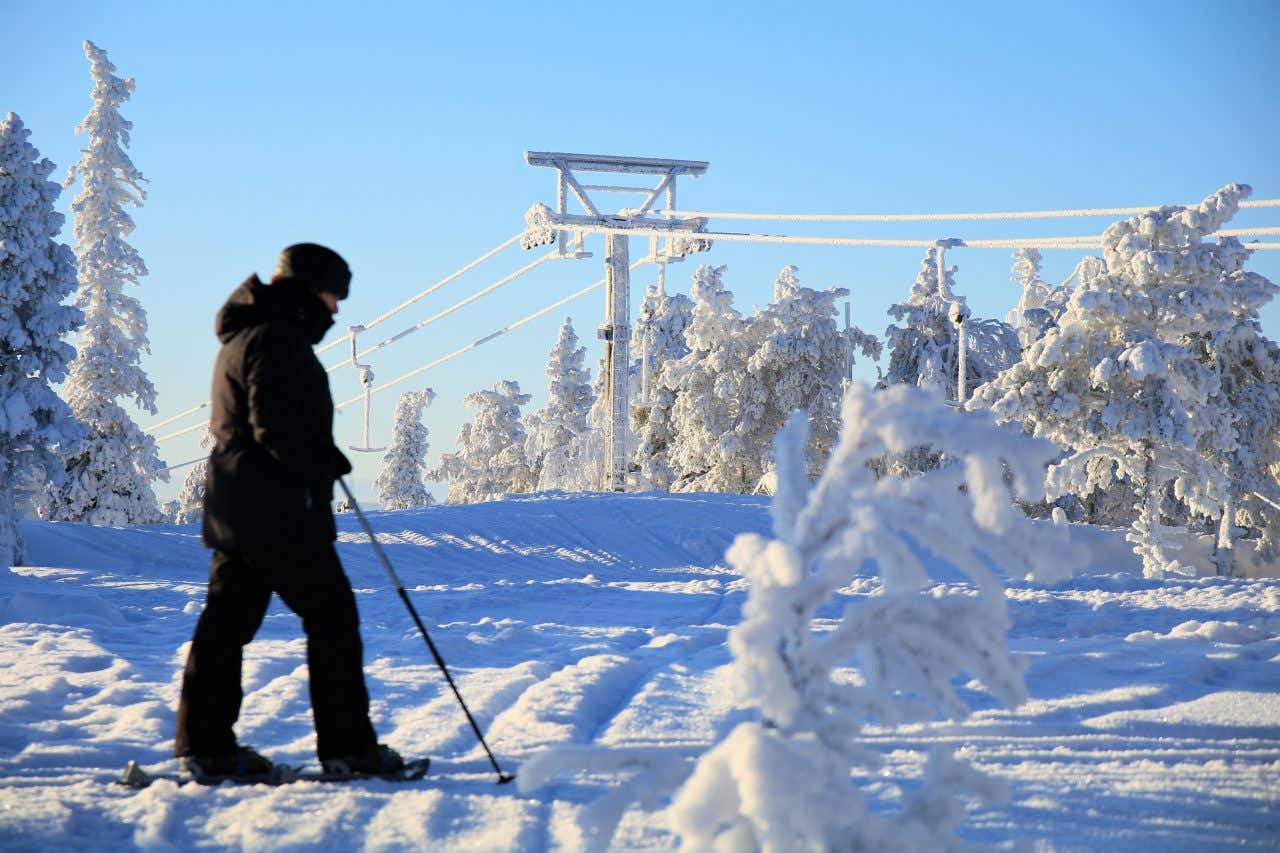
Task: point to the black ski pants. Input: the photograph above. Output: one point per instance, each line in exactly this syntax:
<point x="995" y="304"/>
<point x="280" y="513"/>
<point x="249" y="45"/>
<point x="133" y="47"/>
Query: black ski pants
<point x="311" y="582"/>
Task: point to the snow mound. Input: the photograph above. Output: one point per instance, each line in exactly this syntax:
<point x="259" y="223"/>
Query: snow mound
<point x="1214" y="631"/>
<point x="1229" y="708"/>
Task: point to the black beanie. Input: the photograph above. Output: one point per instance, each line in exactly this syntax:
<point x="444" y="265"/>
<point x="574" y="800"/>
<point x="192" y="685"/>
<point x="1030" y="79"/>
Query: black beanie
<point x="316" y="266"/>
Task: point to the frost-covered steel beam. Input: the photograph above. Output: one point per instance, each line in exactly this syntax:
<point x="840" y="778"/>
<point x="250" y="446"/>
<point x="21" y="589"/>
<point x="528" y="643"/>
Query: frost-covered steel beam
<point x="610" y="163"/>
<point x="566" y="177"/>
<point x="575" y="221"/>
<point x="665" y="183"/>
<point x="611" y="188"/>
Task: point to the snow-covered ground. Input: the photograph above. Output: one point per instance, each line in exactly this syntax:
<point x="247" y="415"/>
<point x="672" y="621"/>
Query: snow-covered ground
<point x="1154" y="722"/>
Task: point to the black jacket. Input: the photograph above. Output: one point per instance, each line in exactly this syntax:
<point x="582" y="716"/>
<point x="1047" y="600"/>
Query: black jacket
<point x="274" y="461"/>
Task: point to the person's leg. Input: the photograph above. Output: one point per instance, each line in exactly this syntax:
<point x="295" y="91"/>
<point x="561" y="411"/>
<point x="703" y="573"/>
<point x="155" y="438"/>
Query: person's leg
<point x="237" y="600"/>
<point x="316" y="588"/>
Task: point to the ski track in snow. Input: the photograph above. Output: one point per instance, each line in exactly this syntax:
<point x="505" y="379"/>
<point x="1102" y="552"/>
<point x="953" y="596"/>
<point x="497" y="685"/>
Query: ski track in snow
<point x="1153" y="723"/>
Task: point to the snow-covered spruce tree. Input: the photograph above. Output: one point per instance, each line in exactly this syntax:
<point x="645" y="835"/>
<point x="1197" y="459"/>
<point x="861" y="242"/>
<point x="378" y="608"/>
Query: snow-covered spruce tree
<point x="400" y="485"/>
<point x="1035" y="310"/>
<point x="110" y="475"/>
<point x="783" y="779"/>
<point x="553" y="428"/>
<point x="1125" y="383"/>
<point x="924" y="349"/>
<point x="489" y="461"/>
<point x="801" y="358"/>
<point x="36" y="274"/>
<point x="190" y="508"/>
<point x="659" y="340"/>
<point x="1238" y="428"/>
<point x="717" y="401"/>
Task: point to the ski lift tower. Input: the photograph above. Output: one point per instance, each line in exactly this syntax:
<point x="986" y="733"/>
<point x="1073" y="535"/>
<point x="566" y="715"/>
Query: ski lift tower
<point x="544" y="226"/>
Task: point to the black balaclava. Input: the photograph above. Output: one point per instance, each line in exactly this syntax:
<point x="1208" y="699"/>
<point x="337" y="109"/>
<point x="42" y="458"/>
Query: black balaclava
<point x="304" y="269"/>
<point x="304" y="308"/>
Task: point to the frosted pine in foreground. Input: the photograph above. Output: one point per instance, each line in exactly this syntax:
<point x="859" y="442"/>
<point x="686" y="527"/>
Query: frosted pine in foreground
<point x="36" y="274"/>
<point x="782" y="780"/>
<point x="109" y="480"/>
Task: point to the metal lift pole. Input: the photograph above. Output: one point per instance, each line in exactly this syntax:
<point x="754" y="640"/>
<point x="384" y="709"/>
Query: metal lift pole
<point x="616" y="333"/>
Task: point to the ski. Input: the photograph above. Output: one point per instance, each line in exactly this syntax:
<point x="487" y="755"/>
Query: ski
<point x="135" y="777"/>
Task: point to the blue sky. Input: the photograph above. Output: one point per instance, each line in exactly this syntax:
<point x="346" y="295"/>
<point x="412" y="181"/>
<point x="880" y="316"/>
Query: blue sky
<point x="395" y="133"/>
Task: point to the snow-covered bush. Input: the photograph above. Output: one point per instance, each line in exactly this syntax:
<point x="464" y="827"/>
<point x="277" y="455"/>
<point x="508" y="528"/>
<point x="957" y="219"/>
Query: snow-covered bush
<point x="783" y="779"/>
<point x="399" y="484"/>
<point x="190" y="505"/>
<point x="553" y="428"/>
<point x="1136" y="381"/>
<point x="489" y="461"/>
<point x="36" y="274"/>
<point x="109" y="476"/>
<point x="801" y="360"/>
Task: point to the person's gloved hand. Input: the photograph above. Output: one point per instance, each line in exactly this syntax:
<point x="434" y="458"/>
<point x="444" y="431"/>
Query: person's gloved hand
<point x="341" y="464"/>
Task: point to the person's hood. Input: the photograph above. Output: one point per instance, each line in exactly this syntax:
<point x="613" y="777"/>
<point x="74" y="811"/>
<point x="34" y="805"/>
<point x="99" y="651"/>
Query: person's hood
<point x="254" y="303"/>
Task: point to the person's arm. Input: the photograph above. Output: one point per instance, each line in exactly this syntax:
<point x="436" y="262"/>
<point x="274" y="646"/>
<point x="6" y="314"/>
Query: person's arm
<point x="274" y="368"/>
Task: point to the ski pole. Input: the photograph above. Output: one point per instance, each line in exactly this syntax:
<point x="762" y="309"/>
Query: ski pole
<point x="503" y="778"/>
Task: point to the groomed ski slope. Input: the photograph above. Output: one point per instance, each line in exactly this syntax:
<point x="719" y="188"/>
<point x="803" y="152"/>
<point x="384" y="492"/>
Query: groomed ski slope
<point x="1154" y="722"/>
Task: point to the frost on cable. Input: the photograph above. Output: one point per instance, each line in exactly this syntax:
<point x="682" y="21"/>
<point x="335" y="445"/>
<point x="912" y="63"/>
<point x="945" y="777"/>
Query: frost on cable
<point x="36" y="274"/>
<point x="400" y="483"/>
<point x="489" y="461"/>
<point x="1157" y="376"/>
<point x="658" y="341"/>
<point x="109" y="476"/>
<point x="553" y="429"/>
<point x="783" y="778"/>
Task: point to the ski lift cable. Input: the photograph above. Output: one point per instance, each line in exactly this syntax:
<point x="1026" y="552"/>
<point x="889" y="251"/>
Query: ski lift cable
<point x="186" y="464"/>
<point x="481" y="341"/>
<point x="942" y="217"/>
<point x="179" y="416"/>
<point x="1079" y="243"/>
<point x="375" y="321"/>
<point x="502" y="282"/>
<point x="430" y="290"/>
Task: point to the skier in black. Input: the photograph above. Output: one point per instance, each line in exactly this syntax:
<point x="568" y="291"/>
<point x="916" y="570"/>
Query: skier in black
<point x="267" y="516"/>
